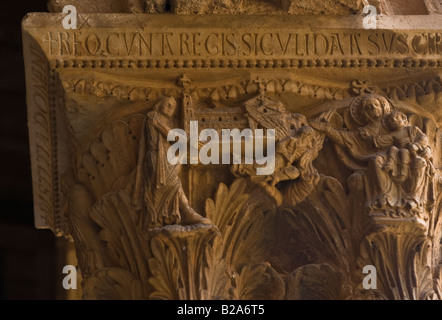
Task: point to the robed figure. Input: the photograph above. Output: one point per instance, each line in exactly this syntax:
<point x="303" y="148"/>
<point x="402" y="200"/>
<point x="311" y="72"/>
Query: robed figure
<point x="158" y="190"/>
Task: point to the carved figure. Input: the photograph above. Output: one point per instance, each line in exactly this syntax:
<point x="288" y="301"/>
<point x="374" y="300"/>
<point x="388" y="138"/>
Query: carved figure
<point x="367" y="123"/>
<point x="288" y="151"/>
<point x="158" y="190"/>
<point x="394" y="157"/>
<point x="407" y="159"/>
<point x="297" y="145"/>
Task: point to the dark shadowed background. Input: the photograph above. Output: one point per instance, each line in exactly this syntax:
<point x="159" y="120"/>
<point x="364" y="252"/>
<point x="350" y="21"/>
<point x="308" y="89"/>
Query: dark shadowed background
<point x="27" y="255"/>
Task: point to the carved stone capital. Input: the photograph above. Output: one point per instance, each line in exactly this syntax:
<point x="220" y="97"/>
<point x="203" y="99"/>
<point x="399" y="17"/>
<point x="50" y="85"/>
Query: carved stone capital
<point x="356" y="178"/>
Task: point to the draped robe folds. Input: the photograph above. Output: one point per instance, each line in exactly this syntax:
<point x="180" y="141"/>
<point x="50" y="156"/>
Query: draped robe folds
<point x="157" y="179"/>
<point x="367" y="149"/>
<point x="302" y="155"/>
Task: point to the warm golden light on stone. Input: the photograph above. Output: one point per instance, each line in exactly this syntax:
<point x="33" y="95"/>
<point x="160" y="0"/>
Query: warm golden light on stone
<point x="357" y="173"/>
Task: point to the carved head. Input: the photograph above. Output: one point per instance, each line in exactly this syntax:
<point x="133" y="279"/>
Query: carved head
<point x="167" y="106"/>
<point x="306" y="131"/>
<point x="396" y="120"/>
<point x="298" y="120"/>
<point x="374" y="107"/>
<point x="306" y="136"/>
<point x="295" y="122"/>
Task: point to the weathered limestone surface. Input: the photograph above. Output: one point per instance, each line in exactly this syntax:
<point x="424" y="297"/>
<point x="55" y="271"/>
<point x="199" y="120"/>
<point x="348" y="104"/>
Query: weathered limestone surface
<point x="318" y="7"/>
<point x="358" y="157"/>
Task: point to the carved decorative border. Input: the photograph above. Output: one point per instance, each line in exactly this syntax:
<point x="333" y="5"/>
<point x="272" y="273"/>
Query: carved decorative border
<point x="228" y="91"/>
<point x="245" y="63"/>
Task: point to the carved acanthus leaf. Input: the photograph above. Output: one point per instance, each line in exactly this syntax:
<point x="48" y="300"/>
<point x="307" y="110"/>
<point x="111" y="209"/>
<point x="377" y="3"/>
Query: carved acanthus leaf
<point x="324" y="225"/>
<point x="316" y="282"/>
<point x="401" y="259"/>
<point x="109" y="155"/>
<point x="186" y="263"/>
<point x="113" y="284"/>
<point x="258" y="282"/>
<point x="242" y="219"/>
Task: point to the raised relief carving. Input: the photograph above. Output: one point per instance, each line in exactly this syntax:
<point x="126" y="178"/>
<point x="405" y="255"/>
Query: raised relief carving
<point x="131" y="220"/>
<point x="393" y="174"/>
<point x="393" y="157"/>
<point x="297" y="145"/>
<point x="393" y="183"/>
<point x="357" y="173"/>
<point x="158" y="192"/>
